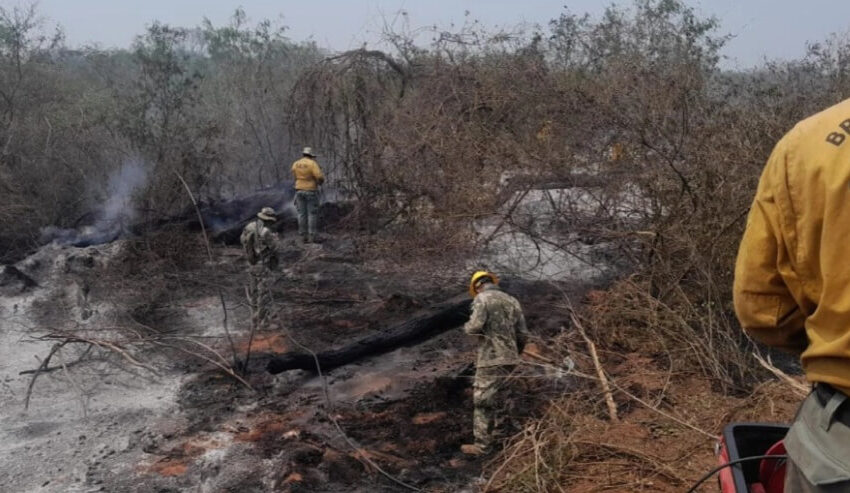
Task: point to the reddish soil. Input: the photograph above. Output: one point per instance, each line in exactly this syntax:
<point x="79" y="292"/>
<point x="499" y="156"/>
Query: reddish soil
<point x="264" y="342"/>
<point x="662" y="445"/>
<point x="266" y="427"/>
<point x="168" y="467"/>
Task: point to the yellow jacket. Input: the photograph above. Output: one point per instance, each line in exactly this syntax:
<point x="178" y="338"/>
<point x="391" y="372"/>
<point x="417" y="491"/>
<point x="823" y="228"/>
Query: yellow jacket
<point x="308" y="175"/>
<point x="792" y="278"/>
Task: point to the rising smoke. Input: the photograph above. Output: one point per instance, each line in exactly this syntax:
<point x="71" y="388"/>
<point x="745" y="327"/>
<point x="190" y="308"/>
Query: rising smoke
<point x="114" y="216"/>
<point x="118" y="208"/>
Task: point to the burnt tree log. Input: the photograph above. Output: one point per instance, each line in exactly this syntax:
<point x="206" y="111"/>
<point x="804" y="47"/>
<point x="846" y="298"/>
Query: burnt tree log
<point x="439" y="319"/>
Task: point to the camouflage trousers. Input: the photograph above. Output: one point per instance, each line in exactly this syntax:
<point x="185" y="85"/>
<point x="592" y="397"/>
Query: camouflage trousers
<point x="490" y="384"/>
<point x="307" y="205"/>
<point x="259" y="295"/>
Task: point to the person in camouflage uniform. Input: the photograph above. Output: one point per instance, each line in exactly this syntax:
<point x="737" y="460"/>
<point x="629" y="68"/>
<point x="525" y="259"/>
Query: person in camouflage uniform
<point x="260" y="245"/>
<point x="498" y="320"/>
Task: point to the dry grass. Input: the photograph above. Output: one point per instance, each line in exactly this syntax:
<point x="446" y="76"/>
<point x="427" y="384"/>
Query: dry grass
<point x="667" y="382"/>
<point x="663" y="442"/>
<point x="629" y="318"/>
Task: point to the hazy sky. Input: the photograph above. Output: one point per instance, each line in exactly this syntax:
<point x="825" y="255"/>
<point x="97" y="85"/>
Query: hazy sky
<point x="762" y="28"/>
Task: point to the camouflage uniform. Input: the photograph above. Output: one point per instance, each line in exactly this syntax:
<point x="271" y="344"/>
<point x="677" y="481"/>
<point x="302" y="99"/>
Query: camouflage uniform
<point x="497" y="317"/>
<point x="260" y="244"/>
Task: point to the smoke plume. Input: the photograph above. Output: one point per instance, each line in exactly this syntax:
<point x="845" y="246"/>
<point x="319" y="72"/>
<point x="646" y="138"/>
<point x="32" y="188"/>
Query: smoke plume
<point x="114" y="216"/>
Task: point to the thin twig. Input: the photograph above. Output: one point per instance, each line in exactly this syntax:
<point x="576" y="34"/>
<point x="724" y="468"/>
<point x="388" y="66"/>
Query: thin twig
<point x="74" y="383"/>
<point x="54" y="368"/>
<point x="210" y="255"/>
<point x="575" y="319"/>
<point x="224" y="368"/>
<point x="227" y="331"/>
<point x="658" y="462"/>
<point x="115" y="347"/>
<point x="38" y="372"/>
<point x="122" y="352"/>
<point x="251" y="335"/>
<point x="647" y="405"/>
<point x="799" y="388"/>
<point x="198" y="212"/>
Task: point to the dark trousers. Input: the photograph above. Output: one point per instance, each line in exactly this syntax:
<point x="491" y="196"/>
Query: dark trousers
<point x="307" y="205"/>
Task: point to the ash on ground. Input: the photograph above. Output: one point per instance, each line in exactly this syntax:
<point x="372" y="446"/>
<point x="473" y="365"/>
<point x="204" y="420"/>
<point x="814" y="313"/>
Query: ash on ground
<point x="135" y="399"/>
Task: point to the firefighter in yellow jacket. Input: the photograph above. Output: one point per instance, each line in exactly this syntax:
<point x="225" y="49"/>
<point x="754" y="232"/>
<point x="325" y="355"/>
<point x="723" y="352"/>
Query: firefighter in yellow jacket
<point x="308" y="177"/>
<point x="792" y="287"/>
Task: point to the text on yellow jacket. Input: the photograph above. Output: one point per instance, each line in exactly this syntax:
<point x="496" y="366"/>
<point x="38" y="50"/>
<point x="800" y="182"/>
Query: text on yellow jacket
<point x="792" y="278"/>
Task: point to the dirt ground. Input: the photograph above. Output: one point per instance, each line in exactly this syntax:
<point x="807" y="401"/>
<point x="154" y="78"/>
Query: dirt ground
<point x="392" y="422"/>
<point x="665" y="438"/>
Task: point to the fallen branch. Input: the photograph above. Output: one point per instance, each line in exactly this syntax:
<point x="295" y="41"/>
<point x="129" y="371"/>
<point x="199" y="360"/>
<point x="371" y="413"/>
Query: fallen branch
<point x="220" y="363"/>
<point x="115" y="347"/>
<point x="799" y="388"/>
<point x="222" y="366"/>
<point x="647" y="405"/>
<point x="118" y="349"/>
<point x="76" y="362"/>
<point x="603" y="380"/>
<point x="40" y="369"/>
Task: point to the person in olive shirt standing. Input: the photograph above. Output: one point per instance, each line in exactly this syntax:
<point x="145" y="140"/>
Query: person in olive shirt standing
<point x="260" y="244"/>
<point x="308" y="177"/>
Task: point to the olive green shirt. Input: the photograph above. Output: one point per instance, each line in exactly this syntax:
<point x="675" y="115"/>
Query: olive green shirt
<point x="260" y="244"/>
<point x="498" y="320"/>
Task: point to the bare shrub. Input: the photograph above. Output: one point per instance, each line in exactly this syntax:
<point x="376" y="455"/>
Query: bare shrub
<point x="487" y="115"/>
<point x="162" y="251"/>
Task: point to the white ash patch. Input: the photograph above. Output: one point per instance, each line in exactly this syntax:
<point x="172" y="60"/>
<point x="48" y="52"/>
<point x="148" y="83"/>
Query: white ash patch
<point x="536" y="243"/>
<point x="80" y="414"/>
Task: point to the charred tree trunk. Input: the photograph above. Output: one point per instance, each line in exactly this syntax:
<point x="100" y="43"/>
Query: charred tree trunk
<point x="441" y="318"/>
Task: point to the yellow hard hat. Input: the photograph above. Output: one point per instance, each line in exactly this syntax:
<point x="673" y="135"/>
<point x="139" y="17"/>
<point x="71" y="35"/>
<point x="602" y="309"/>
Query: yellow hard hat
<point x="477" y="277"/>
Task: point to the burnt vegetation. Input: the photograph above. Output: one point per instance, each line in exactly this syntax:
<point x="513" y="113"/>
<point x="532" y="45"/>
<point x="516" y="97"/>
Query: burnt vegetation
<point x="426" y="138"/>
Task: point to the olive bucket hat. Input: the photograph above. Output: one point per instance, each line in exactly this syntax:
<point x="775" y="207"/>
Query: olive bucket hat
<point x="267" y="214"/>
